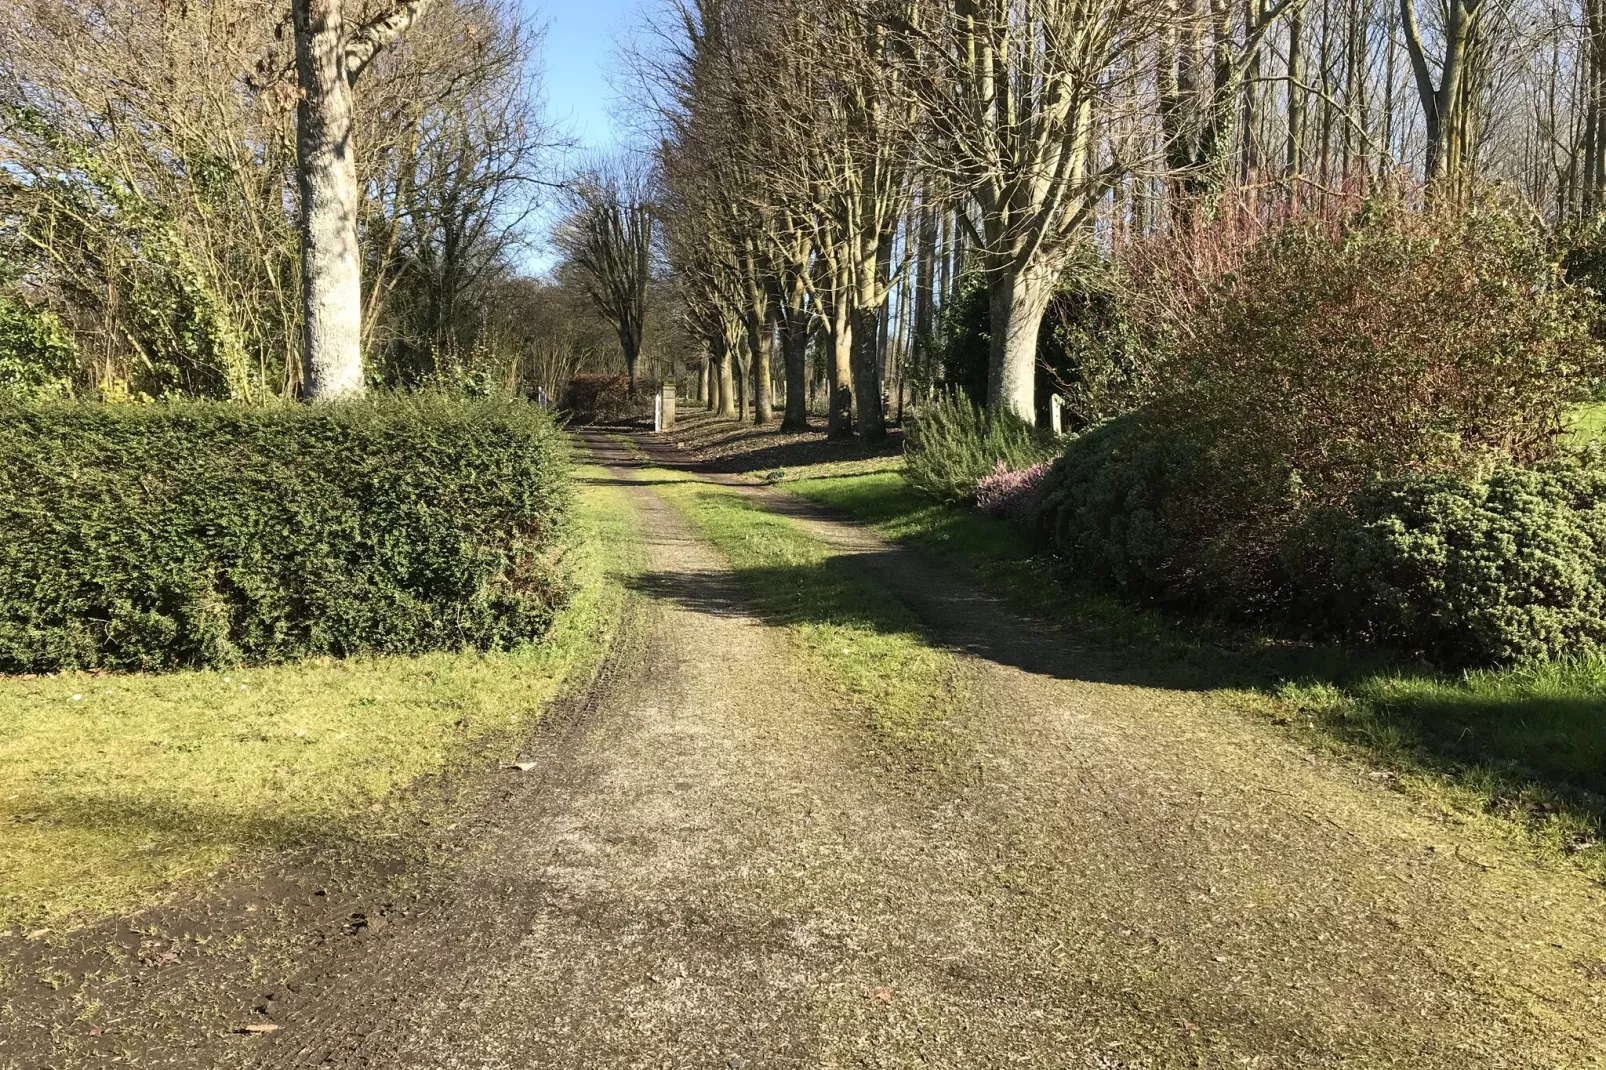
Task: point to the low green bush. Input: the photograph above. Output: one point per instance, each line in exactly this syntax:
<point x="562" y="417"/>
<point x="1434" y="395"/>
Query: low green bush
<point x="1104" y="507"/>
<point x="1126" y="505"/>
<point x="951" y="444"/>
<point x="1499" y="570"/>
<point x="156" y="537"/>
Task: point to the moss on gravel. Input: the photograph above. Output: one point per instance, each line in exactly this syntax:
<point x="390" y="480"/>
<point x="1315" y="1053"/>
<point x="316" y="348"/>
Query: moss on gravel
<point x="864" y="644"/>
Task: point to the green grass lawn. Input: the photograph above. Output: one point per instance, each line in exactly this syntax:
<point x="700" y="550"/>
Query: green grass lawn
<point x="1528" y="745"/>
<point x="116" y="788"/>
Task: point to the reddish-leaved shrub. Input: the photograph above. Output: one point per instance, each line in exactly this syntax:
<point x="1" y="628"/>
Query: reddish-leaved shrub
<point x="595" y="398"/>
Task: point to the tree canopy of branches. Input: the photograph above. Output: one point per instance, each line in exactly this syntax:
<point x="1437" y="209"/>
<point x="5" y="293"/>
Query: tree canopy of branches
<point x="838" y="165"/>
<point x="148" y="186"/>
<point x="606" y="237"/>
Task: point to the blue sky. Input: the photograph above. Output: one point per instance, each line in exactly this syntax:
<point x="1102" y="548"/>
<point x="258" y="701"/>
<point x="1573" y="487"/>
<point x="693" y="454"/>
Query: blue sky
<point x="580" y="48"/>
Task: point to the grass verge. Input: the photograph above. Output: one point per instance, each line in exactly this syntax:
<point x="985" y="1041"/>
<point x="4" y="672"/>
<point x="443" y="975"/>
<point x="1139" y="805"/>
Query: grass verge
<point x="851" y="634"/>
<point x="1527" y="747"/>
<point x="113" y="789"/>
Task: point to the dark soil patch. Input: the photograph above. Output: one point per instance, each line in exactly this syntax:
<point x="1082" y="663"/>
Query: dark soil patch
<point x="205" y="978"/>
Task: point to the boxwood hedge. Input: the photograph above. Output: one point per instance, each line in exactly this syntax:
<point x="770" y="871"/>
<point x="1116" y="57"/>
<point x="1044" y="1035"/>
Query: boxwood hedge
<point x="205" y="534"/>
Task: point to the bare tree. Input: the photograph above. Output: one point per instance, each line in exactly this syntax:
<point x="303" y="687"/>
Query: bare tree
<point x="608" y="237"/>
<point x="452" y="159"/>
<point x="1024" y="98"/>
<point x="1202" y="64"/>
<point x="1445" y="103"/>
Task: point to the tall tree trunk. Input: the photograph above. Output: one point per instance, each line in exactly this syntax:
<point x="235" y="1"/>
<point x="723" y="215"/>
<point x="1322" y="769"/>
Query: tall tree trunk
<point x="1296" y="100"/>
<point x="759" y="348"/>
<point x="863" y="357"/>
<point x="1594" y="120"/>
<point x="839" y="421"/>
<point x="795" y="355"/>
<point x="1017" y="302"/>
<point x="1443" y="105"/>
<point x="726" y="381"/>
<point x="629" y="344"/>
<point x="330" y="56"/>
<point x="866" y="351"/>
<point x="331" y="261"/>
<point x="925" y="282"/>
<point x="1249" y="155"/>
<point x="1324" y="64"/>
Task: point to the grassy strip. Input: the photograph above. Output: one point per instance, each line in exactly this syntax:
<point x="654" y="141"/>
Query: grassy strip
<point x="114" y="788"/>
<point x="1528" y="746"/>
<point x="855" y="638"/>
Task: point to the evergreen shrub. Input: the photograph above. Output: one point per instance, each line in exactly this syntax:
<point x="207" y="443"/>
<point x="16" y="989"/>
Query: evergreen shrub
<point x="1502" y="569"/>
<point x="952" y="444"/>
<point x="205" y="534"/>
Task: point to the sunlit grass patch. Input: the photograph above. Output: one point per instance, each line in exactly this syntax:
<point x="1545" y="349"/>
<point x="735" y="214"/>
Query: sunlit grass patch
<point x="858" y="639"/>
<point x="113" y="788"/>
<point x="1590" y="423"/>
<point x="992" y="551"/>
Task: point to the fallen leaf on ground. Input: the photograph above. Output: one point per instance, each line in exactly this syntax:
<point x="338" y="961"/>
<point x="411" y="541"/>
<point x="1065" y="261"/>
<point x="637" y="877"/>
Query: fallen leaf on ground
<point x="883" y="995"/>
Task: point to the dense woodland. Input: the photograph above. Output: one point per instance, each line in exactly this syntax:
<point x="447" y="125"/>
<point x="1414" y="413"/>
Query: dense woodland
<point x="843" y="171"/>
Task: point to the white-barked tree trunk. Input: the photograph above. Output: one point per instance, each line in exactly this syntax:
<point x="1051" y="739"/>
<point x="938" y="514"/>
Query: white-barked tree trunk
<point x="330" y="56"/>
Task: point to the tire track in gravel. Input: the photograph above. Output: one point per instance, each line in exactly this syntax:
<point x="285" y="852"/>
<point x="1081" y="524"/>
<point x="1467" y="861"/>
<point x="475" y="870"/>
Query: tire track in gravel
<point x="718" y="871"/>
<point x="1291" y="910"/>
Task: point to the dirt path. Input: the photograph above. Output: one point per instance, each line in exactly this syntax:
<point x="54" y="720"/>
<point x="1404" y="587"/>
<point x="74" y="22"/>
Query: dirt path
<point x="708" y="869"/>
<point x="719" y="873"/>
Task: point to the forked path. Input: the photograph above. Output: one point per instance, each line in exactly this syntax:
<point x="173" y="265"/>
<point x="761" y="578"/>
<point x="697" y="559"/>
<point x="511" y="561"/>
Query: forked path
<point x="719" y="871"/>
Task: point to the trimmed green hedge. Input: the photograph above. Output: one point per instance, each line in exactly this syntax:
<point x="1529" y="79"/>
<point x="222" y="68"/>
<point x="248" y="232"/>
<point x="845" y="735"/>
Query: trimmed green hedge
<point x="159" y="537"/>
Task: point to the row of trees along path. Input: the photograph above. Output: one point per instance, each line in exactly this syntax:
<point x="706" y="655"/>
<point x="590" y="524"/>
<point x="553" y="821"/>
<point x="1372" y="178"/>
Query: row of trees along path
<point x="829" y="167"/>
